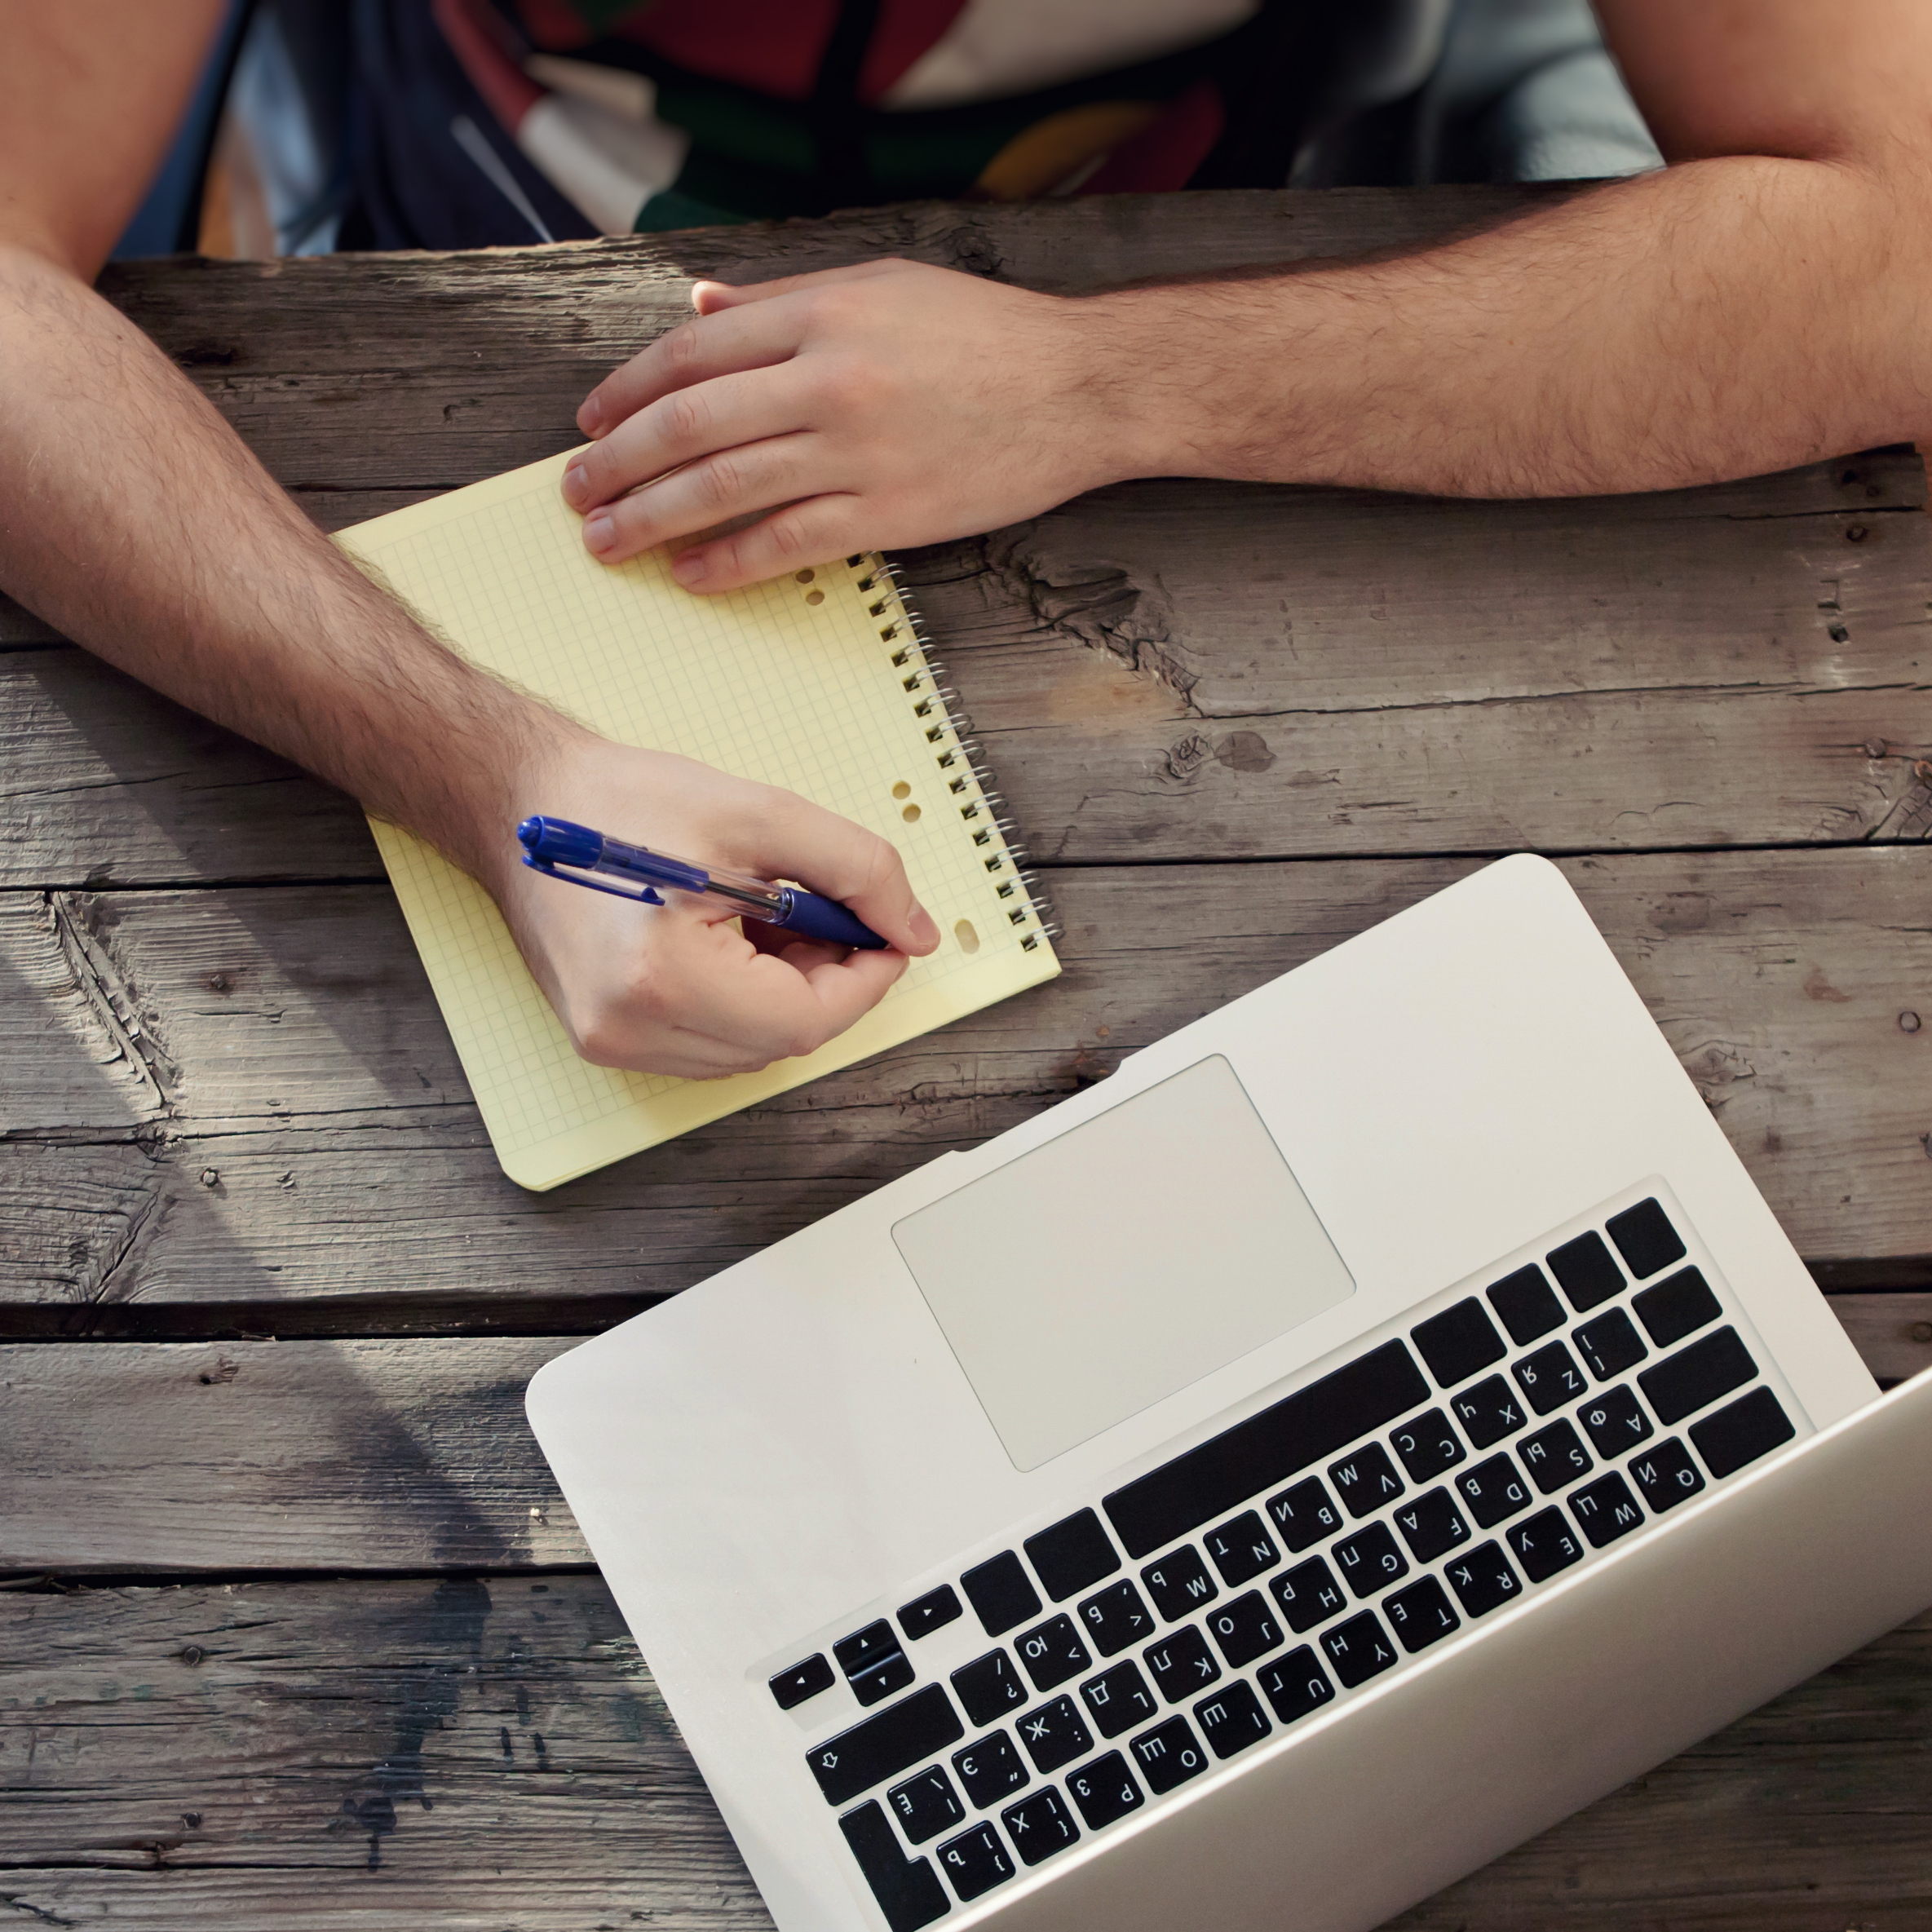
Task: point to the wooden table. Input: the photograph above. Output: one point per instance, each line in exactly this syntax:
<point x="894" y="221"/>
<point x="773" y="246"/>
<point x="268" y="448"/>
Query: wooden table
<point x="302" y="1635"/>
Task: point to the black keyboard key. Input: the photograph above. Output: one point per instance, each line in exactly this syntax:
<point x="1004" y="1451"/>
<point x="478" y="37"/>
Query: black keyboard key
<point x="1610" y="1344"/>
<point x="1431" y="1525"/>
<point x="882" y="1747"/>
<point x="885" y="1678"/>
<point x="1365" y="1480"/>
<point x="1282" y="1440"/>
<point x="1741" y="1432"/>
<point x="1544" y="1545"/>
<point x="1695" y="1376"/>
<point x="1616" y="1421"/>
<point x="1072" y="1555"/>
<point x="925" y="1805"/>
<point x="1168" y="1756"/>
<point x="1052" y="1652"/>
<point x="1489" y="1412"/>
<point x="1528" y="1304"/>
<point x="1369" y="1560"/>
<point x="1295" y="1685"/>
<point x="1241" y="1549"/>
<point x="1039" y="1826"/>
<point x="1645" y="1239"/>
<point x="873" y="1662"/>
<point x="1666" y="1475"/>
<point x="1427" y="1446"/>
<point x="1482" y="1581"/>
<point x="989" y="1686"/>
<point x="1492" y="1491"/>
<point x="1605" y="1508"/>
<point x="976" y="1862"/>
<point x="1549" y="1378"/>
<point x="1245" y="1628"/>
<point x="1359" y="1649"/>
<point x="1308" y="1594"/>
<point x="1554" y="1456"/>
<point x="1420" y="1615"/>
<point x="1104" y="1790"/>
<point x="1303" y="1514"/>
<point x="1182" y="1664"/>
<point x="1115" y="1617"/>
<point x="999" y="1590"/>
<point x="864" y="1648"/>
<point x="1054" y="1734"/>
<point x="1118" y="1698"/>
<point x="1676" y="1307"/>
<point x="907" y="1890"/>
<point x="990" y="1769"/>
<point x="1232" y="1719"/>
<point x="1458" y="1342"/>
<point x="792" y="1687"/>
<point x="932" y="1612"/>
<point x="1179" y="1584"/>
<point x="1585" y="1271"/>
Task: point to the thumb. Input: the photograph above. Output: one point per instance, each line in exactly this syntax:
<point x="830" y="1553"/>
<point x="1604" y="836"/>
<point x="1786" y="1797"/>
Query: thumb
<point x="832" y="856"/>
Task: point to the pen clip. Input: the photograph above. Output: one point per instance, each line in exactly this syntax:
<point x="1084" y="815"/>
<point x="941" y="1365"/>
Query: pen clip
<point x="576" y="876"/>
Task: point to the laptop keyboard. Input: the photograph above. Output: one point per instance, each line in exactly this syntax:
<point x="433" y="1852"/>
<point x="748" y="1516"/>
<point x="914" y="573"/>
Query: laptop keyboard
<point x="1263" y="1574"/>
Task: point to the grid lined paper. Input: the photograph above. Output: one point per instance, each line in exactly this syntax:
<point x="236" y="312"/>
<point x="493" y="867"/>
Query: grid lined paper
<point x="758" y="682"/>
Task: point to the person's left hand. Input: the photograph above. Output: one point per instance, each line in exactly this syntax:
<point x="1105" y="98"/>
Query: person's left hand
<point x="864" y="408"/>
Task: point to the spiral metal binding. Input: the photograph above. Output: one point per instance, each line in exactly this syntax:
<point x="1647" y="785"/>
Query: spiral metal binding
<point x="982" y="807"/>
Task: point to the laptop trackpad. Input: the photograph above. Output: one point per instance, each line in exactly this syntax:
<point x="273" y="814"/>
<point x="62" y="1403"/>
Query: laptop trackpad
<point x="1122" y="1261"/>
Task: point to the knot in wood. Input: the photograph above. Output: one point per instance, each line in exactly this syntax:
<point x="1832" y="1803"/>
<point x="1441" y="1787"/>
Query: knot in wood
<point x="1908" y="1022"/>
<point x="1856" y="533"/>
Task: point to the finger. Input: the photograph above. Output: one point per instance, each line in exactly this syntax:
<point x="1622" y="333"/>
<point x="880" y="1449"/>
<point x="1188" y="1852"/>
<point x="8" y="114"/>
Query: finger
<point x="694" y="351"/>
<point x="766" y="1008"/>
<point x="746" y="407"/>
<point x="713" y="298"/>
<point x="795" y="839"/>
<point x="702" y="495"/>
<point x="812" y="530"/>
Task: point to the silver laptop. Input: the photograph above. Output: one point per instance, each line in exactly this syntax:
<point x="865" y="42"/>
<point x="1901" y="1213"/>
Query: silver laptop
<point x="1378" y="1420"/>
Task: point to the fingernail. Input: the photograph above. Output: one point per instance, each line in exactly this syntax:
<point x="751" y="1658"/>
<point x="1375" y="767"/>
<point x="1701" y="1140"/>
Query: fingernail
<point x="691" y="568"/>
<point x="573" y="482"/>
<point x="590" y="419"/>
<point x="923" y="929"/>
<point x="600" y="533"/>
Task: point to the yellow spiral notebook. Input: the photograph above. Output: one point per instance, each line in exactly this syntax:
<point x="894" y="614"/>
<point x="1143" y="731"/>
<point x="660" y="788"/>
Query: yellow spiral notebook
<point x="818" y="682"/>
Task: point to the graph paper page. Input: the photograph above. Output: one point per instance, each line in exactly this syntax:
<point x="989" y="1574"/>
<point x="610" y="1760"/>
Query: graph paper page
<point x="761" y="682"/>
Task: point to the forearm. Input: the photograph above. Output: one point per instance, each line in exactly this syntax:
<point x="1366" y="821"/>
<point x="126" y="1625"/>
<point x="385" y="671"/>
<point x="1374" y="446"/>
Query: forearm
<point x="134" y="520"/>
<point x="1720" y="319"/>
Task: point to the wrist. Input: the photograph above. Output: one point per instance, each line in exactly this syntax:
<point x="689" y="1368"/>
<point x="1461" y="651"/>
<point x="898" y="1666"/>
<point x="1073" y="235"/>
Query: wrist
<point x="1138" y="420"/>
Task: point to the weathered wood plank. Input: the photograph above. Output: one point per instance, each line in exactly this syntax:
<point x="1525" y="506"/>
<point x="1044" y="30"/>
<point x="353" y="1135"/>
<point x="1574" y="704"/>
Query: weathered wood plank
<point x="238" y="1754"/>
<point x="1186" y="670"/>
<point x="361" y="1455"/>
<point x="1893" y="1332"/>
<point x="341" y="1455"/>
<point x="290" y="1124"/>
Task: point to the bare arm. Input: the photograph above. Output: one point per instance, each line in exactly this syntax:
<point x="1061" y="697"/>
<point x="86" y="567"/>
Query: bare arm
<point x="1765" y="301"/>
<point x="133" y="519"/>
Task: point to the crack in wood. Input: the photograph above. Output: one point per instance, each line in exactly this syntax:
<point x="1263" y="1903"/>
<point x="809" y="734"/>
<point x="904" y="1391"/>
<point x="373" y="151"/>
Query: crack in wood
<point x="83" y="927"/>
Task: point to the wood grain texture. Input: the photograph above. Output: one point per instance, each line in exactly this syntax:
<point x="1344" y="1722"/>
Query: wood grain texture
<point x="1190" y="670"/>
<point x="465" y="1755"/>
<point x="247" y="1097"/>
<point x="363" y="1455"/>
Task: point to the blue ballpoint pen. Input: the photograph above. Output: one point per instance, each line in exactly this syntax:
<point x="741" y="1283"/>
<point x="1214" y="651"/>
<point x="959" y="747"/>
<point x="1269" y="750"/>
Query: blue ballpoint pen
<point x="572" y="853"/>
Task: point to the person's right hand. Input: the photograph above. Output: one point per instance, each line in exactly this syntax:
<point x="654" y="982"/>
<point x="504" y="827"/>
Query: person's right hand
<point x="679" y="989"/>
